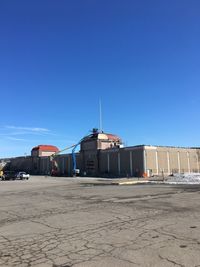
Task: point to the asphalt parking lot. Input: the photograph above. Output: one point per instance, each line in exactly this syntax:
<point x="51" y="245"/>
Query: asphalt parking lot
<point x="77" y="222"/>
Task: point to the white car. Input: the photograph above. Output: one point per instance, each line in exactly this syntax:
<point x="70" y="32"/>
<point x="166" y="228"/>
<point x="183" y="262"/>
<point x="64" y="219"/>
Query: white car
<point x="22" y="175"/>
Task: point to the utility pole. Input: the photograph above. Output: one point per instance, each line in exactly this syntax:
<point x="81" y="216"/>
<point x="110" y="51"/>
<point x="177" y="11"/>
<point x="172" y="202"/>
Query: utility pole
<point x="100" y="116"/>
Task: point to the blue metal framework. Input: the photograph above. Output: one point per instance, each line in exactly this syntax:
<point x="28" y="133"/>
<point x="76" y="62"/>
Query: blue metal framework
<point x="74" y="165"/>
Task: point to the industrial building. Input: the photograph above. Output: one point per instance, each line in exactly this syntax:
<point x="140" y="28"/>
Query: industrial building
<point x="102" y="154"/>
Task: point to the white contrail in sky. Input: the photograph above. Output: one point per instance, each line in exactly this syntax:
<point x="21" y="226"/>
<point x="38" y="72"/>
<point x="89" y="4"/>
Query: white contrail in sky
<point x="31" y="129"/>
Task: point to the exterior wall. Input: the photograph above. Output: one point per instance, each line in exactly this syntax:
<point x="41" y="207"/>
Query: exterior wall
<point x="110" y="162"/>
<point x="46" y="153"/>
<point x="103" y="144"/>
<point x="35" y="153"/>
<point x="63" y="163"/>
<point x="89" y="145"/>
<point x="90" y="162"/>
<point x="41" y="153"/>
<point x="20" y="164"/>
<point x="35" y="165"/>
<point x="122" y="162"/>
<point x="116" y="162"/>
<point x="169" y="160"/>
<point x="132" y="163"/>
<point x="44" y="167"/>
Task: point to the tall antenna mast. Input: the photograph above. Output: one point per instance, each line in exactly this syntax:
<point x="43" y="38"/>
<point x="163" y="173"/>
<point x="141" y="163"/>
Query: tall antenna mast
<point x="100" y="116"/>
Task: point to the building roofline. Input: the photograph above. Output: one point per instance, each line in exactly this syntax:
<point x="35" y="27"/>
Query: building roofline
<point x="173" y="146"/>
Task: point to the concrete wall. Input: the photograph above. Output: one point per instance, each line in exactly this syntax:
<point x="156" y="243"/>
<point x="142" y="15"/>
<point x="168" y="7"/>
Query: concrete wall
<point x="116" y="162"/>
<point x="20" y="164"/>
<point x="63" y="163"/>
<point x="168" y="160"/>
<point x="122" y="162"/>
<point x="90" y="162"/>
<point x="46" y="153"/>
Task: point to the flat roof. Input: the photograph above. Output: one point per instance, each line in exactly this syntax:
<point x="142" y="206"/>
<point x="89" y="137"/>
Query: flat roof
<point x="166" y="146"/>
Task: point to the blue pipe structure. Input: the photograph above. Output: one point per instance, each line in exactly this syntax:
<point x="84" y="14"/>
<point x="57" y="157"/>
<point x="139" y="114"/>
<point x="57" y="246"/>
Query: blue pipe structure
<point x="74" y="158"/>
<point x="74" y="165"/>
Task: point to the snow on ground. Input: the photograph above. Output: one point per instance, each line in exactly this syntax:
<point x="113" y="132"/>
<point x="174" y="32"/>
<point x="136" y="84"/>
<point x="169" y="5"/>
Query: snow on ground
<point x="184" y="178"/>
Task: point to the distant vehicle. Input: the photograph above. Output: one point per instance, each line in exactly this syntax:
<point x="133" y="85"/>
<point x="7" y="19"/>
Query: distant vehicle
<point x="22" y="176"/>
<point x="8" y="175"/>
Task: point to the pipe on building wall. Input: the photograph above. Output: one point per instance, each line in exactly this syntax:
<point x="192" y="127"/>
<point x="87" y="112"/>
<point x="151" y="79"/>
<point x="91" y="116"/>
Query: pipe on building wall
<point x="179" y="164"/>
<point x="156" y="162"/>
<point x="108" y="162"/>
<point x="63" y="166"/>
<point x="43" y="166"/>
<point x="47" y="166"/>
<point x="131" y="162"/>
<point x="168" y="163"/>
<point x="68" y="167"/>
<point x="197" y="162"/>
<point x="188" y="160"/>
<point x="144" y="161"/>
<point x="118" y="161"/>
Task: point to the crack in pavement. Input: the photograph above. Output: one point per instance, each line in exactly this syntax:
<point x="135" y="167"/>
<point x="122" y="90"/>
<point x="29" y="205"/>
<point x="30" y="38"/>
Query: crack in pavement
<point x="134" y="234"/>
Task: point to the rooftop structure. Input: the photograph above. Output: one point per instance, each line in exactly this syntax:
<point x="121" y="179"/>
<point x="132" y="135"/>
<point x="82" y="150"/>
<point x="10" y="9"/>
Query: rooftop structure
<point x="43" y="150"/>
<point x="100" y="140"/>
<point x="91" y="146"/>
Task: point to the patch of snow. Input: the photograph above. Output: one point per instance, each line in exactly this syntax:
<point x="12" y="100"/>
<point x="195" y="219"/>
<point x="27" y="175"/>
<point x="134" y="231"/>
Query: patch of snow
<point x="183" y="178"/>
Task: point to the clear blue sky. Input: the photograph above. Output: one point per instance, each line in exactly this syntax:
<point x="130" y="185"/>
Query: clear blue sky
<point x="57" y="58"/>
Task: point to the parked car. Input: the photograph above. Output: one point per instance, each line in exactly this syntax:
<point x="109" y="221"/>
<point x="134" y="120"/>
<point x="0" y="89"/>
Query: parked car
<point x="22" y="176"/>
<point x="8" y="175"/>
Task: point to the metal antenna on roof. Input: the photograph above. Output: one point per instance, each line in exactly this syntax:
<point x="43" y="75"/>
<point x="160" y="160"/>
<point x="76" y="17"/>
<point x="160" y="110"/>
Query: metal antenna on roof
<point x="100" y="116"/>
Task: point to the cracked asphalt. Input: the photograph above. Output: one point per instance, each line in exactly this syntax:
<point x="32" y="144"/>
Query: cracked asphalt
<point x="64" y="222"/>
